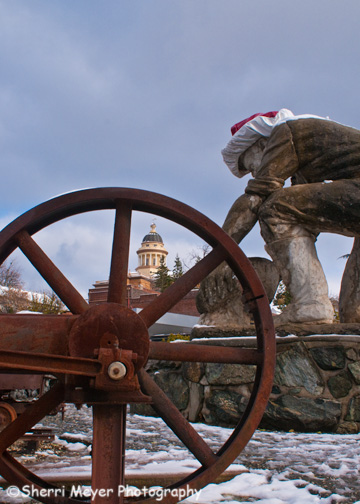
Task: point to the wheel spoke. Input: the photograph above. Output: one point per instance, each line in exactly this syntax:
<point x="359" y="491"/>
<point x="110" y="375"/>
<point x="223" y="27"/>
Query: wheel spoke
<point x="173" y="294"/>
<point x="18" y="475"/>
<point x="203" y="353"/>
<point x="177" y="423"/>
<point x="32" y="415"/>
<point x="51" y="364"/>
<point x="108" y="466"/>
<point x="53" y="276"/>
<point x="117" y="292"/>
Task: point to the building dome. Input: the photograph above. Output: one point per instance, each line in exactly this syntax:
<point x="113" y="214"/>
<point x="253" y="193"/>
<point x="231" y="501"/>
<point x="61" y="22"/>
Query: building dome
<point x="153" y="236"/>
<point x="151" y="253"/>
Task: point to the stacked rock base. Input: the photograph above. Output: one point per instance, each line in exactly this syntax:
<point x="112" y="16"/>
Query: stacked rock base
<point x="316" y="385"/>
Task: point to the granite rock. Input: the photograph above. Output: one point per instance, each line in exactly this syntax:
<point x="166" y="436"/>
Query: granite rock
<point x="353" y="413"/>
<point x="347" y="428"/>
<point x="229" y="374"/>
<point x="329" y="358"/>
<point x="224" y="407"/>
<point x="340" y="384"/>
<point x="174" y="386"/>
<point x="294" y="368"/>
<point x="302" y="414"/>
<point x="193" y="371"/>
<point x="354" y="368"/>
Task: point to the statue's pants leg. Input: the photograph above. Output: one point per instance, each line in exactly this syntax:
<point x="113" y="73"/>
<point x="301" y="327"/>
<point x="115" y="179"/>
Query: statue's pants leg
<point x="290" y="221"/>
<point x="349" y="299"/>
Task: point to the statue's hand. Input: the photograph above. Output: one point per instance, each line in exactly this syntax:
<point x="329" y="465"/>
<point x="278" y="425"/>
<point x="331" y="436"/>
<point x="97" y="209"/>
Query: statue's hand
<point x="263" y="186"/>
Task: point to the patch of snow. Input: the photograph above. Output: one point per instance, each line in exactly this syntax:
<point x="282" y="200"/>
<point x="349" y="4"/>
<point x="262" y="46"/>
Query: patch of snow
<point x="28" y="312"/>
<point x="266" y="489"/>
<point x="276" y="467"/>
<point x="275" y="310"/>
<point x="248" y="338"/>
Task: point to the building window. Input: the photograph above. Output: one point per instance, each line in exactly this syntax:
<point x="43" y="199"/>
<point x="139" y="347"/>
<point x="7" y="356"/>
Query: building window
<point x="154" y="262"/>
<point x="147" y="261"/>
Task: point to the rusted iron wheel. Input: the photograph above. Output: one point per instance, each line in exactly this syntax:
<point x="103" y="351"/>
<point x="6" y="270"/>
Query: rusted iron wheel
<point x="90" y="350"/>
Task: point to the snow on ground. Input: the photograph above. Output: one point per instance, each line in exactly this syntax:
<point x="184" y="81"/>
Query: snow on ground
<point x="282" y="468"/>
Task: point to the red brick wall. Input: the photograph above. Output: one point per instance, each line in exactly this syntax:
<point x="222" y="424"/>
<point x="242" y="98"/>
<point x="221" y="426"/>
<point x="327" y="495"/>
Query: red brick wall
<point x="186" y="306"/>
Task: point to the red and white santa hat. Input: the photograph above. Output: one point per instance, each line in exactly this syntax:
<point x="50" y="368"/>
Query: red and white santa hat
<point x="242" y="123"/>
<point x="247" y="132"/>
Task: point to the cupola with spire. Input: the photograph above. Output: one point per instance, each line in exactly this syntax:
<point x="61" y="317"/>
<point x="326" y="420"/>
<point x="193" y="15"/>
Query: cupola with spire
<point x="149" y="254"/>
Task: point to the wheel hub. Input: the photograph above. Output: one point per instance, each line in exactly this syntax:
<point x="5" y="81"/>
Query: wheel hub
<point x="109" y="326"/>
<point x="119" y="339"/>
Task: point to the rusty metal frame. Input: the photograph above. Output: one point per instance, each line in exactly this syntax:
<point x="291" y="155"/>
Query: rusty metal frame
<point x="44" y="343"/>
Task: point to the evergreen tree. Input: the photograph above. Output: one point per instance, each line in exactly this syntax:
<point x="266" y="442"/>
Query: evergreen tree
<point x="282" y="297"/>
<point x="178" y="270"/>
<point x="162" y="278"/>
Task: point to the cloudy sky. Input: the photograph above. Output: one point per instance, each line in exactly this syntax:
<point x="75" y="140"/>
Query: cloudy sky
<point x="142" y="93"/>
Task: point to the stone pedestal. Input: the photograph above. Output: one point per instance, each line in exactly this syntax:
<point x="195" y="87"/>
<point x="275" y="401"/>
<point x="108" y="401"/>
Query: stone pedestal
<point x="316" y="385"/>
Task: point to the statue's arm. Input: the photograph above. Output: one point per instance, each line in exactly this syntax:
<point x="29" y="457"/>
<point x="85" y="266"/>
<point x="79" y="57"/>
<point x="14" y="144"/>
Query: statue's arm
<point x="242" y="216"/>
<point x="279" y="162"/>
<point x="214" y="290"/>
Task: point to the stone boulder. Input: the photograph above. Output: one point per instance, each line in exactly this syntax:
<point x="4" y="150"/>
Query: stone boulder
<point x="294" y="368"/>
<point x="302" y="414"/>
<point x="329" y="358"/>
<point x="224" y="407"/>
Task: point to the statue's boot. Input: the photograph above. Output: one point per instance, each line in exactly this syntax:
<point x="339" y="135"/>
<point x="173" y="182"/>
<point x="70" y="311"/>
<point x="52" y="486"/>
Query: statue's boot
<point x="301" y="271"/>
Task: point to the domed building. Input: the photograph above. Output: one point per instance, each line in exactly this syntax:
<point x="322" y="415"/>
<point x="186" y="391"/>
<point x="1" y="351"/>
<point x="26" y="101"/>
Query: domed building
<point x="150" y="253"/>
<point x="140" y="289"/>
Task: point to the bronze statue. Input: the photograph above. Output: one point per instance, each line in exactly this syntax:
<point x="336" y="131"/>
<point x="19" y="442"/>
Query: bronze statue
<point x="321" y="158"/>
